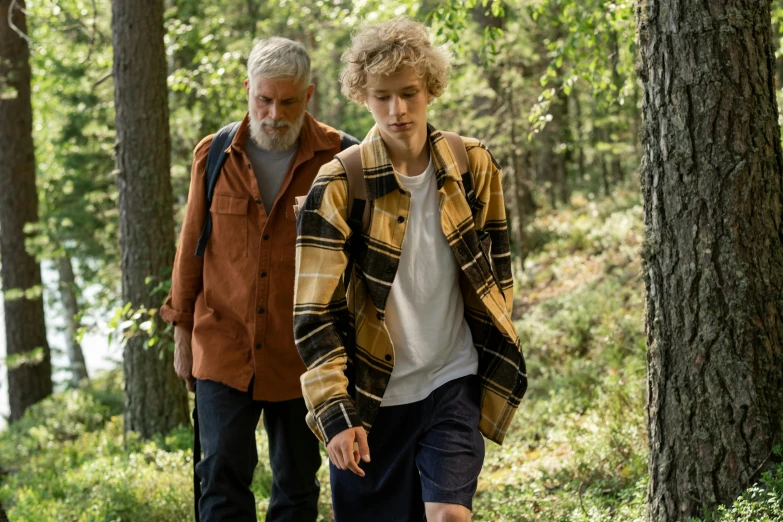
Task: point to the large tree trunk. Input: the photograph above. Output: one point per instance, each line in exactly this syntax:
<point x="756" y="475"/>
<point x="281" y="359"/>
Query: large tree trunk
<point x="711" y="177"/>
<point x="155" y="400"/>
<point x="25" y="331"/>
<point x="71" y="308"/>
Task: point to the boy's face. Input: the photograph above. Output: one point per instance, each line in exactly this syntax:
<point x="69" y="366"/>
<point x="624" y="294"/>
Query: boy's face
<point x="398" y="104"/>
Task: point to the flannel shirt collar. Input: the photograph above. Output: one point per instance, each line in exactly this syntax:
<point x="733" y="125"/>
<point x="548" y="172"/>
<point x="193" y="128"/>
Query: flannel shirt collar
<point x="379" y="172"/>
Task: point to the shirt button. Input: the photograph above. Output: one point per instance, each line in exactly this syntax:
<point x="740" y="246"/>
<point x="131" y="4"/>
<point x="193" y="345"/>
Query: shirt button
<point x="262" y="274"/>
<point x="265" y="237"/>
<point x="400" y="219"/>
<point x="261" y="310"/>
<point x="258" y="202"/>
<point x="388" y="357"/>
<point x="258" y="346"/>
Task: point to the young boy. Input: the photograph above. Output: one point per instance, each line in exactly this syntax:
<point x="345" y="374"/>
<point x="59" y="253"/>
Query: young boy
<point x="432" y="360"/>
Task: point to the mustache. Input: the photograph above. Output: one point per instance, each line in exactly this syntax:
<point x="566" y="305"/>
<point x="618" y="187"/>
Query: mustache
<point x="275" y="123"/>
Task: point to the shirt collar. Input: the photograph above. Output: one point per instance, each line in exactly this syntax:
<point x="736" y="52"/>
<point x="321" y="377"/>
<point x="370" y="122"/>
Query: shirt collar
<point x="379" y="173"/>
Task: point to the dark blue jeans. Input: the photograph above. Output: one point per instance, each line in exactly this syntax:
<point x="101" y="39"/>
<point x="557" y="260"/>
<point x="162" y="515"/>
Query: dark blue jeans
<point x="426" y="451"/>
<point x="227" y="421"/>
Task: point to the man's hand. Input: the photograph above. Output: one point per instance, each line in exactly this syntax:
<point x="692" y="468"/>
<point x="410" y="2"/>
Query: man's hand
<point x="347" y="447"/>
<point x="183" y="355"/>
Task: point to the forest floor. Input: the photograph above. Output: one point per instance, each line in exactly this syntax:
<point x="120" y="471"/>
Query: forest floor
<point x="577" y="449"/>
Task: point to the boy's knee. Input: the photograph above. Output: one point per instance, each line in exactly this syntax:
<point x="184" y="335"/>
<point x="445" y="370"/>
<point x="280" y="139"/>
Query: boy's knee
<point x="437" y="512"/>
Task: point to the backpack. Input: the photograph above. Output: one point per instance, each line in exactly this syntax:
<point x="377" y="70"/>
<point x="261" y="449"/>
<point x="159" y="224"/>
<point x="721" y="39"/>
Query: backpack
<point x="359" y="212"/>
<point x="216" y="158"/>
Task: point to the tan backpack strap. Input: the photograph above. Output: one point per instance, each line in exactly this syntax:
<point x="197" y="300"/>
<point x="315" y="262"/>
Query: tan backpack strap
<point x="351" y="159"/>
<point x="299" y="202"/>
<point x="457" y="147"/>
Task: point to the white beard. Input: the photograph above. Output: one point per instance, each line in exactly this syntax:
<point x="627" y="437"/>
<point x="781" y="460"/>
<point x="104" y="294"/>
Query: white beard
<point x="284" y="141"/>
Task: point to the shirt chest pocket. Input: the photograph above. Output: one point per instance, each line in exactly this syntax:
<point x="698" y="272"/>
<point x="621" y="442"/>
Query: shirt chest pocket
<point x="229" y="225"/>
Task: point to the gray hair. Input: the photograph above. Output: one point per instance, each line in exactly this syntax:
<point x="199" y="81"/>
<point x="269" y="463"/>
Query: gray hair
<point x="278" y="57"/>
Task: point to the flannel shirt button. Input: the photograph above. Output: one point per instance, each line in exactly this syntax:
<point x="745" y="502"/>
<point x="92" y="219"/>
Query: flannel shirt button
<point x="261" y="310"/>
<point x="258" y="346"/>
<point x="388" y="357"/>
<point x="265" y="237"/>
<point x="379" y="316"/>
<point x="258" y="202"/>
<point x="262" y="274"/>
<point x="400" y="219"/>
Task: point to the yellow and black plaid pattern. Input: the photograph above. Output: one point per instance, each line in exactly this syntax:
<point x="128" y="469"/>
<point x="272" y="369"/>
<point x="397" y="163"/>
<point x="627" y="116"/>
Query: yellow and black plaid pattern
<point x="342" y="336"/>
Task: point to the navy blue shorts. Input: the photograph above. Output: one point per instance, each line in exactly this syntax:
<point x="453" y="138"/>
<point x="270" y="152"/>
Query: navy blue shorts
<point x="426" y="451"/>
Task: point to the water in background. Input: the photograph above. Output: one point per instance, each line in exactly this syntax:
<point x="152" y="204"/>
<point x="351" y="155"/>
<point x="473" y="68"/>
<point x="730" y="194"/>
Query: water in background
<point x="98" y="354"/>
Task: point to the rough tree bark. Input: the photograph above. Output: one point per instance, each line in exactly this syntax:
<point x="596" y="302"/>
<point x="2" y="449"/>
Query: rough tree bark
<point x="71" y="308"/>
<point x="713" y="194"/>
<point x="155" y="400"/>
<point x="25" y="330"/>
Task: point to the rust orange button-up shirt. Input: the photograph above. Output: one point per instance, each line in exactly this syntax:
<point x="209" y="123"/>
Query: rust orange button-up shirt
<point x="238" y="299"/>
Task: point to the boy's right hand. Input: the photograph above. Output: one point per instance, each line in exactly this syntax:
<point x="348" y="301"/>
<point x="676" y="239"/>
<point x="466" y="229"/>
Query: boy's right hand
<point x="347" y="448"/>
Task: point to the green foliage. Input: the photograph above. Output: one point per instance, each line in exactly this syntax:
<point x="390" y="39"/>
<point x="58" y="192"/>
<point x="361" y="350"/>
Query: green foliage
<point x="761" y="502"/>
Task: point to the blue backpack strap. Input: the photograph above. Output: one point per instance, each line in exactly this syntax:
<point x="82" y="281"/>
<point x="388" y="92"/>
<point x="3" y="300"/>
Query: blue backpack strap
<point x="215" y="160"/>
<point x="346" y="140"/>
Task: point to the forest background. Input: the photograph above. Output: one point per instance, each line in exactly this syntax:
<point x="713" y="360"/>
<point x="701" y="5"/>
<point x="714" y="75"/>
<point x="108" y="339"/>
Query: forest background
<point x="550" y="86"/>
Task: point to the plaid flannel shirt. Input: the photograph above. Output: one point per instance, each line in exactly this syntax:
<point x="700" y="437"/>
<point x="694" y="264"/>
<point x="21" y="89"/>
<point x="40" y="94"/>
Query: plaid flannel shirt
<point x="342" y="336"/>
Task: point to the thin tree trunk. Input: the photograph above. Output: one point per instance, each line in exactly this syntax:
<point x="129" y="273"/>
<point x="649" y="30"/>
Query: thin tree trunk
<point x="597" y="137"/>
<point x="25" y="330"/>
<point x="580" y="151"/>
<point x="71" y="308"/>
<point x="712" y="177"/>
<point x="155" y="400"/>
<point x="564" y="140"/>
<point x="252" y="18"/>
<point x="618" y="175"/>
<point x="611" y="130"/>
<point x="518" y="182"/>
<point x="314" y="107"/>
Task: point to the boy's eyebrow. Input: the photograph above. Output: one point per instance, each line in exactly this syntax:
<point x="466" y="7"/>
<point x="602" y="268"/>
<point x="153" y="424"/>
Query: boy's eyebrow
<point x="411" y="86"/>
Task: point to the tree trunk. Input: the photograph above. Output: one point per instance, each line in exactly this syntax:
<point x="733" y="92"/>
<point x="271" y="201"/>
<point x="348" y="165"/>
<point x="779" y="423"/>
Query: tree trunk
<point x="518" y="210"/>
<point x="155" y="400"/>
<point x="579" y="135"/>
<point x="314" y="107"/>
<point x="30" y="380"/>
<point x="71" y="308"/>
<point x="711" y="176"/>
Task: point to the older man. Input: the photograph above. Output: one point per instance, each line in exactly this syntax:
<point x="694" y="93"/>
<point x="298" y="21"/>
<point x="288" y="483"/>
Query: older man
<point x="234" y="305"/>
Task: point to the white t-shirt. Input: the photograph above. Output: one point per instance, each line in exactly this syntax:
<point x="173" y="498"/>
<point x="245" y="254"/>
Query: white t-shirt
<point x="425" y="310"/>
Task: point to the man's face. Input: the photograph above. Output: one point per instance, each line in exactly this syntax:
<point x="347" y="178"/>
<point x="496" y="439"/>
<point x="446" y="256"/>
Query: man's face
<point x="277" y="108"/>
<point x="398" y="104"/>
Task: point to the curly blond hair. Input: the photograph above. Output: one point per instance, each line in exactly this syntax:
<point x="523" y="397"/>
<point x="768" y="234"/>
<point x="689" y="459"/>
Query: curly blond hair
<point x="381" y="49"/>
